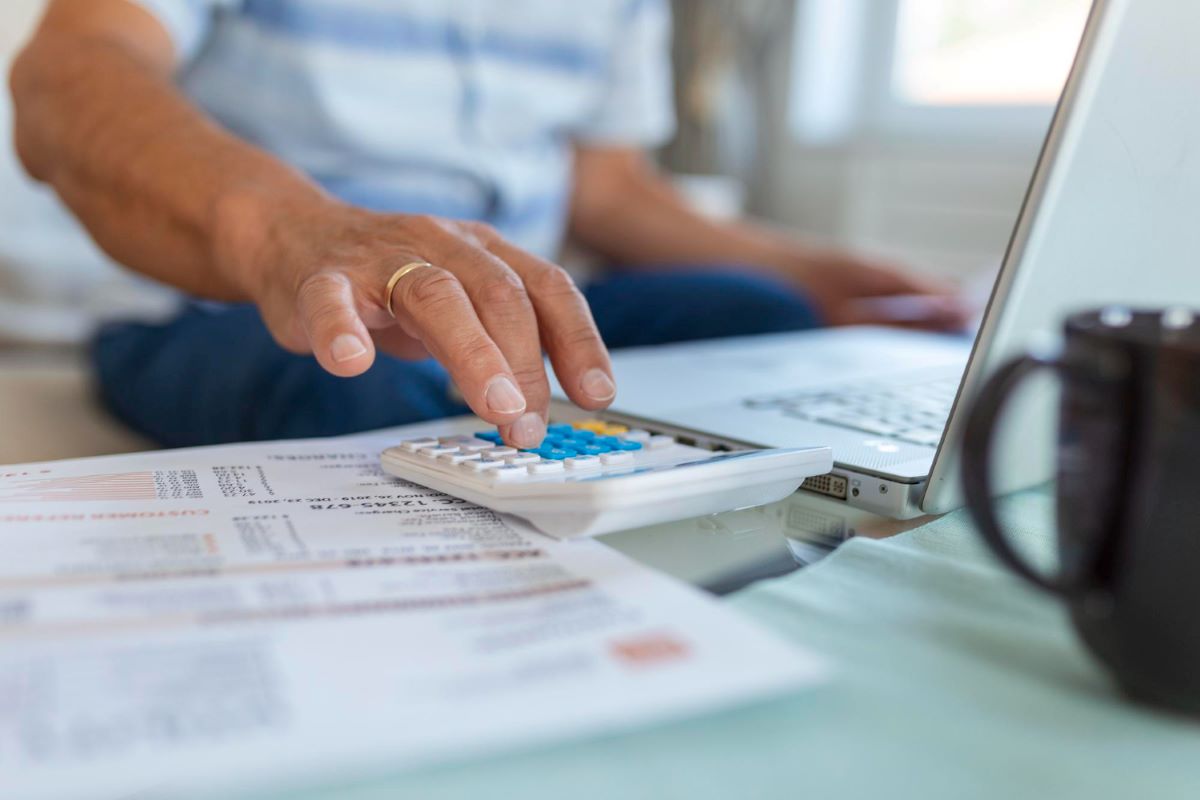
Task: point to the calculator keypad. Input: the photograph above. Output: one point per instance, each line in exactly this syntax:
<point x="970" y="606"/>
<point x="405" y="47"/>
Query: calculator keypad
<point x="583" y="448"/>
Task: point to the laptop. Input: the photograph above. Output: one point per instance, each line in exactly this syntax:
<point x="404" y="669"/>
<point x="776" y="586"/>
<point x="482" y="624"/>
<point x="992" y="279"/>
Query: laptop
<point x="1111" y="216"/>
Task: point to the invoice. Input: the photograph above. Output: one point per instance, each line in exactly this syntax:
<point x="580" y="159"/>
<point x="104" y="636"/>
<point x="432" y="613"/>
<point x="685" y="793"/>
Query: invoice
<point x="184" y="622"/>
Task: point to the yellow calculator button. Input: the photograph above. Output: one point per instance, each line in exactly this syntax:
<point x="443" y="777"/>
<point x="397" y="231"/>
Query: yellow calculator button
<point x="614" y="430"/>
<point x="594" y="425"/>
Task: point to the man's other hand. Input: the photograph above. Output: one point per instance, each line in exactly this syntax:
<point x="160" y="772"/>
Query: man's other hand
<point x="850" y="290"/>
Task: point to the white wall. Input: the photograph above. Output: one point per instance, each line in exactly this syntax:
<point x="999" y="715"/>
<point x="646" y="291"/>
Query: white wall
<point x="17" y="18"/>
<point x="947" y="211"/>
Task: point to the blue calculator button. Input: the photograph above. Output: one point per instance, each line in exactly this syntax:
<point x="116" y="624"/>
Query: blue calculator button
<point x="595" y="450"/>
<point x="556" y="453"/>
<point x="553" y="440"/>
<point x="609" y="441"/>
<point x="631" y="445"/>
<point x="584" y="436"/>
<point x="560" y="430"/>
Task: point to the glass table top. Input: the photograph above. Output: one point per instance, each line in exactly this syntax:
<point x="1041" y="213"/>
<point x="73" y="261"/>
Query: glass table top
<point x="724" y="552"/>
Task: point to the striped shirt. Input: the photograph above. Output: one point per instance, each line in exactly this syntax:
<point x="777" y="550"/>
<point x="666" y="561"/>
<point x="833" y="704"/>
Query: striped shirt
<point x="459" y="108"/>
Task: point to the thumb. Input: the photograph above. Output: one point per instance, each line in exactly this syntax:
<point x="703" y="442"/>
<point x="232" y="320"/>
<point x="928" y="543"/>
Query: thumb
<point x="336" y="333"/>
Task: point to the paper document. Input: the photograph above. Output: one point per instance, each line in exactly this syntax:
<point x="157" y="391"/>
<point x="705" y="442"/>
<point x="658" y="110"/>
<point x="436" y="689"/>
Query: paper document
<point x="188" y="622"/>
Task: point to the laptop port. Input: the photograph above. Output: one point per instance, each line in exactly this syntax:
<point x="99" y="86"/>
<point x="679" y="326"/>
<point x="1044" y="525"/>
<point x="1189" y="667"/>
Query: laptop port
<point x="830" y="485"/>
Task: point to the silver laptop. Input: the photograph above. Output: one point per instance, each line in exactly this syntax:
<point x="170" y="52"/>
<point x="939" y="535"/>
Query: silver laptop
<point x="1112" y="216"/>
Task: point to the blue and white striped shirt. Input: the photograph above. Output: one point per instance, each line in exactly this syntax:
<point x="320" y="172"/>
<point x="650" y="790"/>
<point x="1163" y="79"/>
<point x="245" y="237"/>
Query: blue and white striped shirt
<point x="459" y="108"/>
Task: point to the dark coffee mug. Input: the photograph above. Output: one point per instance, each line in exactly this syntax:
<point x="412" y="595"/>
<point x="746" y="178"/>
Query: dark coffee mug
<point x="1128" y="493"/>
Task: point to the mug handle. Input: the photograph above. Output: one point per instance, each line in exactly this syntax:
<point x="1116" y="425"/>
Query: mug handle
<point x="978" y="439"/>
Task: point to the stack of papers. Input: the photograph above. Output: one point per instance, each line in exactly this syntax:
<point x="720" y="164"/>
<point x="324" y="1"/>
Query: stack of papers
<point x="186" y="622"/>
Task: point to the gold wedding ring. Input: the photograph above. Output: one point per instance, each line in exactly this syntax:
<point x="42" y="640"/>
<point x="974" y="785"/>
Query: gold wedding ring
<point x="396" y="276"/>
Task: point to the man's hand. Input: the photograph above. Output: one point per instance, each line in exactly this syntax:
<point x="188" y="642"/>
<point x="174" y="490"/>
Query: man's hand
<point x="485" y="309"/>
<point x="624" y="209"/>
<point x="849" y="290"/>
<point x="169" y="193"/>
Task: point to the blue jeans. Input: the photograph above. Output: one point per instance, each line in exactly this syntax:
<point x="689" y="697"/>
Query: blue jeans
<point x="215" y="376"/>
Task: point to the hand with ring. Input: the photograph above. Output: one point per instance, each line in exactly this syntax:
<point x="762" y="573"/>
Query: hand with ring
<point x="341" y="283"/>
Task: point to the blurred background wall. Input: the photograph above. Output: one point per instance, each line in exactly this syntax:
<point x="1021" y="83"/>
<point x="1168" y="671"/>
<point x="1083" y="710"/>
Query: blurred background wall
<point x="904" y="127"/>
<point x="16" y="16"/>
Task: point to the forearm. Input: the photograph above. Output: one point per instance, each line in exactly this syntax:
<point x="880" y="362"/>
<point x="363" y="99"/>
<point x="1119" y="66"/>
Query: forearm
<point x="629" y="214"/>
<point x="155" y="182"/>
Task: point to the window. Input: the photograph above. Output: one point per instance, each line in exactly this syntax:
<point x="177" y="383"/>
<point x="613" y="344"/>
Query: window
<point x="931" y="69"/>
<point x="985" y="52"/>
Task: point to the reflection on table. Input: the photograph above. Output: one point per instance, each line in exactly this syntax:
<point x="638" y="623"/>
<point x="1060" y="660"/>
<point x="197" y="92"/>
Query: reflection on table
<point x="724" y="552"/>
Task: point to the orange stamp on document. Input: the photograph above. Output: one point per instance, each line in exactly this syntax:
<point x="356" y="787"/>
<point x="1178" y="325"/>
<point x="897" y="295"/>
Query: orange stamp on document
<point x="649" y="650"/>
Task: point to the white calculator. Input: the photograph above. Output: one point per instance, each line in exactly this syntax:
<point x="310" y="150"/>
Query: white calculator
<point x="594" y="477"/>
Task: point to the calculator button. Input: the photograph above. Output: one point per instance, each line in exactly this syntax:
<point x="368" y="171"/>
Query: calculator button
<point x="500" y="452"/>
<point x="595" y="449"/>
<point x="509" y="472"/>
<point x="475" y="445"/>
<point x="434" y="452"/>
<point x="637" y="435"/>
<point x="413" y="445"/>
<point x="545" y="468"/>
<point x="616" y="459"/>
<point x="522" y="458"/>
<point x="631" y="446"/>
<point x="557" y="453"/>
<point x="615" y="430"/>
<point x="560" y="430"/>
<point x="482" y="465"/>
<point x="584" y="436"/>
<point x="553" y="440"/>
<point x="609" y="441"/>
<point x="454" y="440"/>
<point x="459" y="457"/>
<point x="592" y="425"/>
<point x="659" y="442"/>
<point x="583" y="462"/>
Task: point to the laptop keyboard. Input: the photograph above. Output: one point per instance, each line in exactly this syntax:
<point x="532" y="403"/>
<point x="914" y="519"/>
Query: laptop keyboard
<point x="915" y="413"/>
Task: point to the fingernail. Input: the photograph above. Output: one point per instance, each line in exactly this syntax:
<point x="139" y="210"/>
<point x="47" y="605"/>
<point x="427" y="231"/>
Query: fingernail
<point x="597" y="385"/>
<point x="528" y="431"/>
<point x="503" y="397"/>
<point x="346" y="347"/>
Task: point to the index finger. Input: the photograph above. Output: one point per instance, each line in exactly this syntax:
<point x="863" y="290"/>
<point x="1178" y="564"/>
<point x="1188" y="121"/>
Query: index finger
<point x="434" y="306"/>
<point x="503" y="305"/>
<point x="567" y="329"/>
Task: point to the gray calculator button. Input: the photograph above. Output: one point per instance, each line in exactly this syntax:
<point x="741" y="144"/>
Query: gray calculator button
<point x="459" y="457"/>
<point x="500" y="452"/>
<point x="616" y="459"/>
<point x="455" y="440"/>
<point x="583" y="462"/>
<point x="413" y="445"/>
<point x="509" y="472"/>
<point x="482" y="464"/>
<point x="522" y="458"/>
<point x="657" y="442"/>
<point x="545" y="468"/>
<point x="434" y="452"/>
